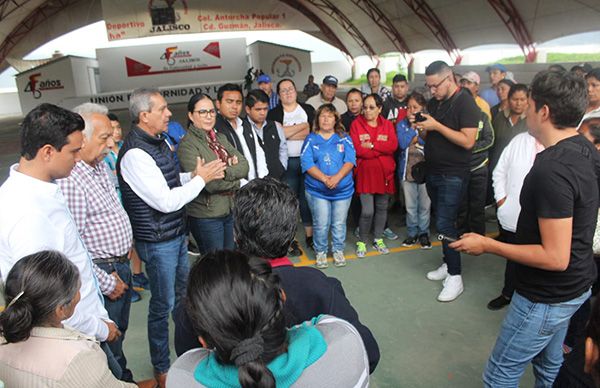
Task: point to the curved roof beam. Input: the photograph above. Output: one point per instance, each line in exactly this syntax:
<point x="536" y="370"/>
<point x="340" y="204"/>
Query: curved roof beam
<point x="336" y="14"/>
<point x="384" y="23"/>
<point x="430" y="19"/>
<point x="328" y="32"/>
<point x="514" y="23"/>
<point x="41" y="13"/>
<point x="9" y="6"/>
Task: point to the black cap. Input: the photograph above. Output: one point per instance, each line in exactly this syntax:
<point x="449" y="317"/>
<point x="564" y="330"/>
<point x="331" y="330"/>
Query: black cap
<point x="330" y="80"/>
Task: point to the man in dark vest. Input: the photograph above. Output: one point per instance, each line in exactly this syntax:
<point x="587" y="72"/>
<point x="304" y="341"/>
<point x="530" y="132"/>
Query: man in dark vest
<point x="238" y="131"/>
<point x="270" y="133"/>
<point x="154" y="194"/>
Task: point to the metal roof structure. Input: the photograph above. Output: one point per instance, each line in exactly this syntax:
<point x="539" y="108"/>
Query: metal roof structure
<point x="356" y="27"/>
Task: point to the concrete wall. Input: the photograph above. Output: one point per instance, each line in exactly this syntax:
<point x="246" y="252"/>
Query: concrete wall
<point x="9" y="104"/>
<point x="340" y="69"/>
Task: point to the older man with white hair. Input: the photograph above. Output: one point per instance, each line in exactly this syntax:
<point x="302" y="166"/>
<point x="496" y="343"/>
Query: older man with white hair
<point x="102" y="223"/>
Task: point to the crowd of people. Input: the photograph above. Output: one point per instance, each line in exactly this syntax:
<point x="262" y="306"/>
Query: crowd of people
<point x="84" y="207"/>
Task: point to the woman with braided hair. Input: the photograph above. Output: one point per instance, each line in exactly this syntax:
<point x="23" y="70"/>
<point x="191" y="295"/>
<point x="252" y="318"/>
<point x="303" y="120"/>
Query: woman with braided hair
<point x="236" y="307"/>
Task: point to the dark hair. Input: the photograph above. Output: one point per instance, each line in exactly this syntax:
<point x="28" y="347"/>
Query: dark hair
<point x="228" y="87"/>
<point x="47" y="280"/>
<point x="192" y="104"/>
<point x="376" y="97"/>
<point x="594" y="73"/>
<point x="593" y="125"/>
<point x="264" y="218"/>
<point x="437" y="67"/>
<point x="399" y="78"/>
<point x="508" y="82"/>
<point x="235" y="304"/>
<point x="419" y="98"/>
<point x="518" y="88"/>
<point x="48" y="124"/>
<point x="565" y="95"/>
<point x="256" y="95"/>
<point x="338" y="127"/>
<point x="373" y="69"/>
<point x="556" y="67"/>
<point x="283" y="80"/>
<point x="112" y="116"/>
<point x="593" y="332"/>
<point x="353" y="90"/>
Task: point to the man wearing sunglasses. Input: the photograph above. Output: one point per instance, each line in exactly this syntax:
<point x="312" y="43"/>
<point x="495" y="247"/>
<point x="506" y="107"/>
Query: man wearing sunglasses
<point x="450" y="129"/>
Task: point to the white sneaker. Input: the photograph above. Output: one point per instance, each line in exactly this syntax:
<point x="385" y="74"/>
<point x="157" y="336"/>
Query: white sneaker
<point x="322" y="260"/>
<point x="338" y="259"/>
<point x="453" y="287"/>
<point x="438" y="274"/>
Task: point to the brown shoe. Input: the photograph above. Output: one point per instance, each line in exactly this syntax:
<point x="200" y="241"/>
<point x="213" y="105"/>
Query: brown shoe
<point x="147" y="383"/>
<point x="161" y="379"/>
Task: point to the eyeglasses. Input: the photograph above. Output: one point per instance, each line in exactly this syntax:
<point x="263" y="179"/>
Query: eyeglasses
<point x="432" y="87"/>
<point x="370" y="107"/>
<point x="287" y="91"/>
<point x="205" y="112"/>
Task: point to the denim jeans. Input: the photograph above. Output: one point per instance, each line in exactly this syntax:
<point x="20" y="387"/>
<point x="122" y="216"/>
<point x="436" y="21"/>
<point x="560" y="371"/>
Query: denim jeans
<point x="446" y="192"/>
<point x="118" y="312"/>
<point x="295" y="180"/>
<point x="167" y="266"/>
<point x="212" y="234"/>
<point x="530" y="332"/>
<point x="328" y="214"/>
<point x="418" y="206"/>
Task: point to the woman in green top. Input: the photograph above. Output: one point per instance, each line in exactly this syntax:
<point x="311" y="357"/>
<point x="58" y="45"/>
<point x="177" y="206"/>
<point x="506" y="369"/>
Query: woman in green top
<point x="210" y="219"/>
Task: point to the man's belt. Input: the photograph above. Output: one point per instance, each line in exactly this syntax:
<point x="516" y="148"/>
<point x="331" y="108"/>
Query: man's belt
<point x="116" y="259"/>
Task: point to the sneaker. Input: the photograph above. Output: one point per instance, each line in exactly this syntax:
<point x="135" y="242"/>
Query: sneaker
<point x="379" y="245"/>
<point x="309" y="243"/>
<point x="135" y="296"/>
<point x="389" y="234"/>
<point x="357" y="232"/>
<point x="139" y="280"/>
<point x="338" y="259"/>
<point x="409" y="242"/>
<point x="193" y="248"/>
<point x="361" y="249"/>
<point x="453" y="287"/>
<point x="498" y="303"/>
<point x="294" y="249"/>
<point x="439" y="274"/>
<point x="322" y="260"/>
<point x="424" y="241"/>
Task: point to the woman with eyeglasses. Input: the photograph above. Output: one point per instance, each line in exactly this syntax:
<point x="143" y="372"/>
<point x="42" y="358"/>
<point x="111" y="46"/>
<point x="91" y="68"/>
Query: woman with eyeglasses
<point x="296" y="119"/>
<point x="236" y="304"/>
<point x="210" y="219"/>
<point x="375" y="142"/>
<point x="42" y="290"/>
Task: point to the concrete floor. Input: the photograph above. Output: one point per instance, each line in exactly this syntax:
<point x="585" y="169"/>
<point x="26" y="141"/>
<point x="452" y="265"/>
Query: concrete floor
<point x="424" y="343"/>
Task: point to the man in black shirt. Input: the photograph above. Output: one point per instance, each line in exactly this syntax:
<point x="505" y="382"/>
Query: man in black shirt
<point x="559" y="207"/>
<point x="450" y="131"/>
<point x="394" y="108"/>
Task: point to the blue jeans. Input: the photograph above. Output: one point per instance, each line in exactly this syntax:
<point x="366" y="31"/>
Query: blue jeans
<point x="212" y="234"/>
<point x="118" y="312"/>
<point x="446" y="192"/>
<point x="295" y="180"/>
<point x="530" y="332"/>
<point x="167" y="266"/>
<point x="328" y="214"/>
<point x="418" y="206"/>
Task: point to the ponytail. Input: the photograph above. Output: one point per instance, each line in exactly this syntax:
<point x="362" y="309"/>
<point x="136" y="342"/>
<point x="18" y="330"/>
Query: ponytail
<point x="255" y="374"/>
<point x="17" y="320"/>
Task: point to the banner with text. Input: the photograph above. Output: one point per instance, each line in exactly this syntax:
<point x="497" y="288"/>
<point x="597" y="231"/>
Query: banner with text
<point x="139" y="18"/>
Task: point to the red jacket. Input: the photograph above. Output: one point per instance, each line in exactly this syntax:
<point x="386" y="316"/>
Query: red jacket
<point x="375" y="168"/>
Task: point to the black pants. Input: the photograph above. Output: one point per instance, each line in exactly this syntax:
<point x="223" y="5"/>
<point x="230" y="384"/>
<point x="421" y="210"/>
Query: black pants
<point x="471" y="214"/>
<point x="509" y="271"/>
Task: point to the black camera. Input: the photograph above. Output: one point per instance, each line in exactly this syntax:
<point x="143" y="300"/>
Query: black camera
<point x="419" y="118"/>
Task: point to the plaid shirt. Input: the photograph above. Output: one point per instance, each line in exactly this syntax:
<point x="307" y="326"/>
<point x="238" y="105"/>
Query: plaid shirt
<point x="100" y="218"/>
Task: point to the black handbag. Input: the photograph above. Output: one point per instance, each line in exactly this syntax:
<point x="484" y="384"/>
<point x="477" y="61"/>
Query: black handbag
<point x="419" y="172"/>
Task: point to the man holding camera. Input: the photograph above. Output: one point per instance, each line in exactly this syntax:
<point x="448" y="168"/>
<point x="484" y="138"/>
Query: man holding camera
<point x="450" y="129"/>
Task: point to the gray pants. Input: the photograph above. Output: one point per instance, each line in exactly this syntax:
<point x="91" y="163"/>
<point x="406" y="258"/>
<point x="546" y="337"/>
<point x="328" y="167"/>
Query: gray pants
<point x="374" y="207"/>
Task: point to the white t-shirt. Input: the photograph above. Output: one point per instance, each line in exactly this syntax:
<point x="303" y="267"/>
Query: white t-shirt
<point x="297" y="116"/>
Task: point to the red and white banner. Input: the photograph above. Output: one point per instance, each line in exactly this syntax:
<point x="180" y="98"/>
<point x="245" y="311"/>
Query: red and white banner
<point x="140" y="18"/>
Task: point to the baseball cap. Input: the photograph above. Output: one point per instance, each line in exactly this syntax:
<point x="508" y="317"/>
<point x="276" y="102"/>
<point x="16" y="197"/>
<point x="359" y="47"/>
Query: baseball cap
<point x="330" y="80"/>
<point x="496" y="66"/>
<point x="472" y="77"/>
<point x="263" y="78"/>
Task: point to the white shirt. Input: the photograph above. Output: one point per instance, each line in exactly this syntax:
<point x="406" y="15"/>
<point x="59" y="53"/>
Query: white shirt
<point x="146" y="180"/>
<point x="260" y="170"/>
<point x="283" y="152"/>
<point x="508" y="176"/>
<point x="297" y="116"/>
<point x="317" y="100"/>
<point x="35" y="217"/>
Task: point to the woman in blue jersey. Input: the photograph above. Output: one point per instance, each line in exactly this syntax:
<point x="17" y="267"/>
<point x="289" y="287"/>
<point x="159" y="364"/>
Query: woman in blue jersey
<point x="327" y="159"/>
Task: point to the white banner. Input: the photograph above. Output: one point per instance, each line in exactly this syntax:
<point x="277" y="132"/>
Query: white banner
<point x="139" y="18"/>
